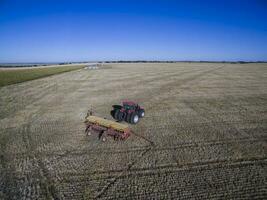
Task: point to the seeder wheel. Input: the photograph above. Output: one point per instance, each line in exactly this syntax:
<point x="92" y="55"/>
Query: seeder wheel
<point x="88" y="130"/>
<point x="102" y="135"/>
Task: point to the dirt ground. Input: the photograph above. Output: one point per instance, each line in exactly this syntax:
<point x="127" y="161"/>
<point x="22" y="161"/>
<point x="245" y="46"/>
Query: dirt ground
<point x="208" y="123"/>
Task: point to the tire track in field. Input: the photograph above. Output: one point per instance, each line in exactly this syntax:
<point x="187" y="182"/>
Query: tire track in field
<point x="46" y="183"/>
<point x="178" y="167"/>
<point x="37" y="182"/>
<point x="193" y="147"/>
<point x="8" y="188"/>
<point x="164" y="170"/>
<point x="195" y="165"/>
<point x="216" y="178"/>
<point x="165" y="89"/>
<point x="143" y="148"/>
<point x="211" y="119"/>
<point x="111" y="183"/>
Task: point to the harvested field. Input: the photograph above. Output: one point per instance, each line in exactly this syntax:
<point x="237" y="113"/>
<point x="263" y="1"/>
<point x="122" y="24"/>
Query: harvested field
<point x="207" y="121"/>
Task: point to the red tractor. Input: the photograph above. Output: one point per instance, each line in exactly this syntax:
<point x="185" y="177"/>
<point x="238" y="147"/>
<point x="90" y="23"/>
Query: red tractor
<point x="129" y="111"/>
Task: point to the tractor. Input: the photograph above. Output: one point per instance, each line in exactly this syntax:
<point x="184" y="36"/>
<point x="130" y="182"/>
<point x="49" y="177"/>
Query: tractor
<point x="129" y="111"/>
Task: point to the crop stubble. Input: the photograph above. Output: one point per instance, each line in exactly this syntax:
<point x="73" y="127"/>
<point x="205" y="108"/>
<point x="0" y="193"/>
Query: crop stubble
<point x="204" y="134"/>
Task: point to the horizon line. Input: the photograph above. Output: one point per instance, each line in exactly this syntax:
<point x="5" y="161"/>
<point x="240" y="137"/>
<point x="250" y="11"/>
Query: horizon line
<point x="117" y="61"/>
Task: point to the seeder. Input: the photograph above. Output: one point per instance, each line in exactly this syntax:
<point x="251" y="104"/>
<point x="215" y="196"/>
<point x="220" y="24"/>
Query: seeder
<point x="104" y="128"/>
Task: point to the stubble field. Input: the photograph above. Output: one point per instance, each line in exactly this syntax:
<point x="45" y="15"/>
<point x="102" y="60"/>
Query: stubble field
<point x="207" y="121"/>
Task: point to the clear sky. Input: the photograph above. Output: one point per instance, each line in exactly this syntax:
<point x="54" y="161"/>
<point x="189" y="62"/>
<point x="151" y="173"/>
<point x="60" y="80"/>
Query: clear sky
<point x="76" y="30"/>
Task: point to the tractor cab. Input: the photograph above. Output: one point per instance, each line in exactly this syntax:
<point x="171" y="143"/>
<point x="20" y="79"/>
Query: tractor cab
<point x="129" y="105"/>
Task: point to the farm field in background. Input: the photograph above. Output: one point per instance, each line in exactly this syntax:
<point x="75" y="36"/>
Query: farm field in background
<point x="208" y="123"/>
<point x="17" y="75"/>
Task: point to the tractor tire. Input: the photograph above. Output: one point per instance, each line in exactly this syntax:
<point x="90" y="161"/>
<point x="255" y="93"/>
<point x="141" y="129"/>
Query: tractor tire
<point x="119" y="116"/>
<point x="128" y="118"/>
<point x="112" y="113"/>
<point x="141" y="113"/>
<point x="134" y="118"/>
<point x="116" y="113"/>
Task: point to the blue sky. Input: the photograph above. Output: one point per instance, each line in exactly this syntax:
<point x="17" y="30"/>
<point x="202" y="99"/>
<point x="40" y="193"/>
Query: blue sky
<point x="76" y="30"/>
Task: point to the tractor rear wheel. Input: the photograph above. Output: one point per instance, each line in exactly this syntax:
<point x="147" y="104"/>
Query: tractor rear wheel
<point x="119" y="115"/>
<point x="115" y="108"/>
<point x="112" y="112"/>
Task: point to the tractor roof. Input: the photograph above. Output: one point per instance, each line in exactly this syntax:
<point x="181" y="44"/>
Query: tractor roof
<point x="127" y="102"/>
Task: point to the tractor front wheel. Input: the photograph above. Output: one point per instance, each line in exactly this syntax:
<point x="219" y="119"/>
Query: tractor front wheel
<point x="141" y="113"/>
<point x="134" y="118"/>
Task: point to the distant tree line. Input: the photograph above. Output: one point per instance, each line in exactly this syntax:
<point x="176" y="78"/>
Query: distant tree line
<point x="127" y="61"/>
<point x="187" y="61"/>
<point x="30" y="65"/>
